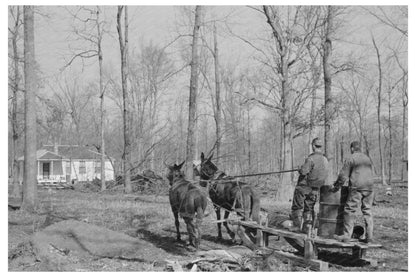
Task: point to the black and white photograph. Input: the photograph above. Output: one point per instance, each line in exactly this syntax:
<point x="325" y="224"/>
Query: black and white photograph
<point x="207" y="137"/>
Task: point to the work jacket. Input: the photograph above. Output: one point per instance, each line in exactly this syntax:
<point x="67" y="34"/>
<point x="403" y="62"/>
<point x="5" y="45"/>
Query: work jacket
<point x="358" y="169"/>
<point x="314" y="171"/>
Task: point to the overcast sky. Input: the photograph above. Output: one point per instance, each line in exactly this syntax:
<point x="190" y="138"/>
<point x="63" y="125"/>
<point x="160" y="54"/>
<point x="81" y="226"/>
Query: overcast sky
<point x="158" y="24"/>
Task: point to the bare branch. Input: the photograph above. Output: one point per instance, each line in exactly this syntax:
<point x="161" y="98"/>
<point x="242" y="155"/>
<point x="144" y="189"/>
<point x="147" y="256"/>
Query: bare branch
<point x="84" y="54"/>
<point x="268" y="105"/>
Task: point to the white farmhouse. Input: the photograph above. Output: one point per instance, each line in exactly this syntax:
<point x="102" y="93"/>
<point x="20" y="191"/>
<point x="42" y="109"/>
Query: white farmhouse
<point x="68" y="163"/>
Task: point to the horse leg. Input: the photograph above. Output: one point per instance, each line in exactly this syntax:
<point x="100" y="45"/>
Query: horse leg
<point x="178" y="233"/>
<point x="246" y="206"/>
<point x="246" y="210"/>
<point x="231" y="233"/>
<point x="198" y="222"/>
<point x="191" y="230"/>
<point x="218" y="212"/>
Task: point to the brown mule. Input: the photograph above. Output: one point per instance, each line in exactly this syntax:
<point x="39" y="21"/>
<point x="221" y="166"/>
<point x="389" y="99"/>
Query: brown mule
<point x="188" y="201"/>
<point x="228" y="194"/>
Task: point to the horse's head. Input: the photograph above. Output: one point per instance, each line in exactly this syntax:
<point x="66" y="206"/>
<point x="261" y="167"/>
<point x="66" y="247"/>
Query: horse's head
<point x="175" y="172"/>
<point x="207" y="168"/>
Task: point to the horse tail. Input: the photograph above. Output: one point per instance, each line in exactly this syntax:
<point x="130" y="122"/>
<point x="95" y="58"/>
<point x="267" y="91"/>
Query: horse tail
<point x="255" y="206"/>
<point x="199" y="213"/>
<point x="201" y="204"/>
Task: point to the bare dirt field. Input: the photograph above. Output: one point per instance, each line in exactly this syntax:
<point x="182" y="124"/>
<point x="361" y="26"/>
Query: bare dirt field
<point x="149" y="218"/>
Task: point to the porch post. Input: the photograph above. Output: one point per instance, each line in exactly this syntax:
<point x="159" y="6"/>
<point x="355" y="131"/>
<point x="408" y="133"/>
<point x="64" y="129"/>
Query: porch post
<point x="51" y="173"/>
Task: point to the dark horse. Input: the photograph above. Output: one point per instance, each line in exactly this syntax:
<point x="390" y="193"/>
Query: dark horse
<point x="228" y="194"/>
<point x="186" y="199"/>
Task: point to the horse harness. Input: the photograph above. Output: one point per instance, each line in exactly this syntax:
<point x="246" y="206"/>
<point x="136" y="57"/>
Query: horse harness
<point x="213" y="182"/>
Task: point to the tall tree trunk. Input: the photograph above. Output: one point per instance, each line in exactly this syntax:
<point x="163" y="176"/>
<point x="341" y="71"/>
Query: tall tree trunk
<point x="329" y="105"/>
<point x="404" y="140"/>
<point x="217" y="114"/>
<point x="249" y="154"/>
<point x="30" y="163"/>
<point x="390" y="140"/>
<point x="17" y="193"/>
<point x="312" y="120"/>
<point x="287" y="132"/>
<point x="100" y="64"/>
<point x="316" y="76"/>
<point x="360" y="124"/>
<point x="153" y="140"/>
<point x="193" y="90"/>
<point x="284" y="192"/>
<point x="380" y="146"/>
<point x="281" y="149"/>
<point x="126" y="107"/>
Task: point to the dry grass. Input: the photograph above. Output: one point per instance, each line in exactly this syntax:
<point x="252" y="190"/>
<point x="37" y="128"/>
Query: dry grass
<point x="149" y="217"/>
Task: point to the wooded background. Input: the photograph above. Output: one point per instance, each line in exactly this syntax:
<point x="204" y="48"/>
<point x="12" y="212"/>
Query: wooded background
<point x="252" y="84"/>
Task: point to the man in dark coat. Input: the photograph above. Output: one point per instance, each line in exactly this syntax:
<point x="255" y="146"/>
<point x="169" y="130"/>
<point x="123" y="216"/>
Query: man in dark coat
<point x="312" y="175"/>
<point x="358" y="169"/>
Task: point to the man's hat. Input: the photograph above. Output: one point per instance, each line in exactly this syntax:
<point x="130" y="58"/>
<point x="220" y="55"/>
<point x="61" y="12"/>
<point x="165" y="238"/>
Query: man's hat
<point x="317" y="142"/>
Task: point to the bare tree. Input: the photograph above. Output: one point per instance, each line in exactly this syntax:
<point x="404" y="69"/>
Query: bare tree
<point x="401" y="12"/>
<point x="74" y="101"/>
<point x="100" y="65"/>
<point x="30" y="163"/>
<point x="149" y="73"/>
<point x="123" y="40"/>
<point x="357" y="106"/>
<point x="217" y="110"/>
<point x="316" y="76"/>
<point x="290" y="47"/>
<point x="14" y="31"/>
<point x="286" y="97"/>
<point x="193" y="90"/>
<point x="405" y="101"/>
<point x="329" y="105"/>
<point x="380" y="78"/>
<point x="93" y="21"/>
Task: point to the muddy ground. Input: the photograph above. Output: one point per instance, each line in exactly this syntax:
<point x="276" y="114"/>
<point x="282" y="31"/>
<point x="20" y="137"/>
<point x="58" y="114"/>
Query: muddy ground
<point x="149" y="218"/>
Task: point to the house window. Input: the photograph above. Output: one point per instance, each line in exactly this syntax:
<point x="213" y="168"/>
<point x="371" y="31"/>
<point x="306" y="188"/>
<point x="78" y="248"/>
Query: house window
<point x="97" y="167"/>
<point x="82" y="168"/>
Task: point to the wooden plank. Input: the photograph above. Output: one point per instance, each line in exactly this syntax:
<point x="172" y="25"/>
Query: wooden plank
<point x="276" y="232"/>
<point x="320" y="242"/>
<point x="246" y="240"/>
<point x="358" y="253"/>
<point x="332" y="243"/>
<point x="260" y="238"/>
<point x="266" y="239"/>
<point x="310" y="248"/>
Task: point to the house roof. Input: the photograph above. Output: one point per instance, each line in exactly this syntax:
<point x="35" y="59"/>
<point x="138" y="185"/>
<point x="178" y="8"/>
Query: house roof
<point x="75" y="151"/>
<point x="43" y="154"/>
<point x="50" y="156"/>
<point x="66" y="152"/>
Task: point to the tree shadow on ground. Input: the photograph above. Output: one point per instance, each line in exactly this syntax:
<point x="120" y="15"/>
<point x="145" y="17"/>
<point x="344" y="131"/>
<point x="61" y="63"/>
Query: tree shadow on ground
<point x="167" y="243"/>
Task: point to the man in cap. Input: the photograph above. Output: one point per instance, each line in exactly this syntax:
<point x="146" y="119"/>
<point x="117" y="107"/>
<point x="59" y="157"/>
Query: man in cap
<point x="312" y="175"/>
<point x="358" y="169"/>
